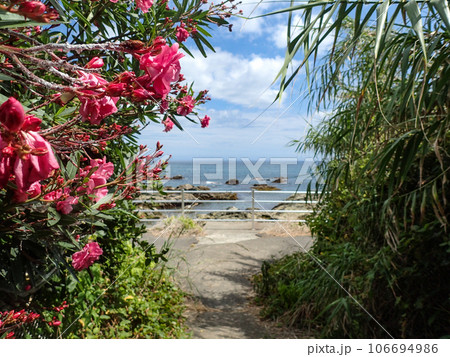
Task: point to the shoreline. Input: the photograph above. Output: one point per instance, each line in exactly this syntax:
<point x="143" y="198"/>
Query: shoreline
<point x="238" y="208"/>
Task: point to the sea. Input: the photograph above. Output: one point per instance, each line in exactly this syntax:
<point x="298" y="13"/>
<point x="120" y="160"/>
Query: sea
<point x="294" y="175"/>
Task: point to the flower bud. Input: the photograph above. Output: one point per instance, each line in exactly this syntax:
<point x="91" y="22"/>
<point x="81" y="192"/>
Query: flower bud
<point x="31" y="123"/>
<point x="139" y="95"/>
<point x="115" y="89"/>
<point x="96" y="62"/>
<point x="12" y="115"/>
<point x="35" y="8"/>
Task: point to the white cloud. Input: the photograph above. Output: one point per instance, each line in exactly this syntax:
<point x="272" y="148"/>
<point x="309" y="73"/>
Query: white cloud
<point x="234" y="133"/>
<point x="239" y="80"/>
<point x="279" y="33"/>
<point x="251" y="8"/>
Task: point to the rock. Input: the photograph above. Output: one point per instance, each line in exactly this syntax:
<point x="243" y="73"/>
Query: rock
<point x="177" y="177"/>
<point x="203" y="188"/>
<point x="226" y="215"/>
<point x="232" y="182"/>
<point x="216" y="196"/>
<point x="232" y="208"/>
<point x="280" y="180"/>
<point x="186" y="187"/>
<point x="265" y="187"/>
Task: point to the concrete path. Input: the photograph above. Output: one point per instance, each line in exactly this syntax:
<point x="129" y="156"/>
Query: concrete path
<point x="216" y="269"/>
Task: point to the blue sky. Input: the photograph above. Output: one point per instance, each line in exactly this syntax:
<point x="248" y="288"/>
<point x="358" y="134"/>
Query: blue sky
<point x="239" y="77"/>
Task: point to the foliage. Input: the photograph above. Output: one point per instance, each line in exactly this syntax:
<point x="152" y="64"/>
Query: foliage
<point x="78" y="81"/>
<point x="382" y="226"/>
<point x="144" y="302"/>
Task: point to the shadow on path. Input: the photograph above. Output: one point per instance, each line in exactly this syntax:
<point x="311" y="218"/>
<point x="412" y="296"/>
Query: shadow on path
<point x="216" y="269"/>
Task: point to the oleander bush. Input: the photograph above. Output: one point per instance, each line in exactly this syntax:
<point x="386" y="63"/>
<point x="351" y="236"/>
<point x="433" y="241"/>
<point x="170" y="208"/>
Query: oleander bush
<point x="79" y="80"/>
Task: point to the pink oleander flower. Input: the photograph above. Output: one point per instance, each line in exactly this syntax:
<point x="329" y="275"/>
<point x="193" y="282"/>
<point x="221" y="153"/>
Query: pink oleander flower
<point x="94" y="109"/>
<point x="163" y="68"/>
<point x="140" y="95"/>
<point x="99" y="178"/>
<point x="83" y="259"/>
<point x="35" y="8"/>
<point x="116" y="89"/>
<point x="12" y="115"/>
<point x="168" y="125"/>
<point x="66" y="206"/>
<point x="182" y="34"/>
<point x="186" y="106"/>
<point x="54" y="195"/>
<point x="33" y="191"/>
<point x="205" y="121"/>
<point x="144" y="5"/>
<point x="23" y="152"/>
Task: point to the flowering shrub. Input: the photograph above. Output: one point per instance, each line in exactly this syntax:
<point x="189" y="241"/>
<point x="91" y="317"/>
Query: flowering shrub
<point x="77" y="81"/>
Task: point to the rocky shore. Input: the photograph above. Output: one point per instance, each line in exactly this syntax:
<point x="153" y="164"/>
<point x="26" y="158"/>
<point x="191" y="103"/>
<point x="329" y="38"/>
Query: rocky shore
<point x="232" y="212"/>
<point x="154" y="199"/>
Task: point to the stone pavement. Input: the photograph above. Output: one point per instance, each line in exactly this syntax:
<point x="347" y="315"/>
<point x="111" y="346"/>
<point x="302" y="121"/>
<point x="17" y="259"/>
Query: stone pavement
<point x="216" y="269"/>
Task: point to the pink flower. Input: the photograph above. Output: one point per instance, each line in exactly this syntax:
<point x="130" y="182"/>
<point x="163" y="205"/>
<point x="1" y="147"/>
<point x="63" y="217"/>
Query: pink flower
<point x="163" y="106"/>
<point x="205" y="121"/>
<point x="168" y="125"/>
<point x="99" y="178"/>
<point x="95" y="106"/>
<point x="187" y="105"/>
<point x="12" y="115"/>
<point x="35" y="8"/>
<point x="144" y="5"/>
<point x="116" y="89"/>
<point x="163" y="68"/>
<point x="65" y="206"/>
<point x="95" y="110"/>
<point x="87" y="256"/>
<point x="96" y="62"/>
<point x="33" y="191"/>
<point x="54" y="195"/>
<point x="140" y="95"/>
<point x="36" y="165"/>
<point x="182" y="34"/>
<point x="31" y="123"/>
<point x="23" y="152"/>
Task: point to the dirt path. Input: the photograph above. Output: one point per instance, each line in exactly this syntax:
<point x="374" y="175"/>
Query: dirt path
<point x="216" y="269"/>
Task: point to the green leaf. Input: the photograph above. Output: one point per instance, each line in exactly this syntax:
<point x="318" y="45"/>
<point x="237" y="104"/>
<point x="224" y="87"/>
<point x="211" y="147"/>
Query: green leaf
<point x="61" y="11"/>
<point x="382" y="12"/>
<point x="11" y="20"/>
<point x="4" y="77"/>
<point x="442" y="8"/>
<point x="413" y="12"/>
<point x="66" y="245"/>
<point x="72" y="165"/>
<point x="103" y="200"/>
<point x="53" y="216"/>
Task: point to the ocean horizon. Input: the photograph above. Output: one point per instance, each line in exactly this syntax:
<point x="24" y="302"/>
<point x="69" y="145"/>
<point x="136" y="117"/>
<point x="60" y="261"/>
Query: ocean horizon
<point x="287" y="174"/>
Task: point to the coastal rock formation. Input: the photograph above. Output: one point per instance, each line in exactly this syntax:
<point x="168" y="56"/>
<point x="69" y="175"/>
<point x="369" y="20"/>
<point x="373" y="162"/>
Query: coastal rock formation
<point x="177" y="177"/>
<point x="280" y="180"/>
<point x="190" y="196"/>
<point x="264" y="187"/>
<point x="232" y="182"/>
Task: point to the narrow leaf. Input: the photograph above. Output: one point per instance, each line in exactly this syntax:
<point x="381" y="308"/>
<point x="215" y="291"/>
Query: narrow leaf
<point x="442" y="8"/>
<point x="413" y="12"/>
<point x="381" y="21"/>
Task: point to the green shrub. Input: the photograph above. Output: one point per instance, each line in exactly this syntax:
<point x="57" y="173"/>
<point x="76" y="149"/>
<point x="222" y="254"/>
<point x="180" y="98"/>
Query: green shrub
<point x="128" y="295"/>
